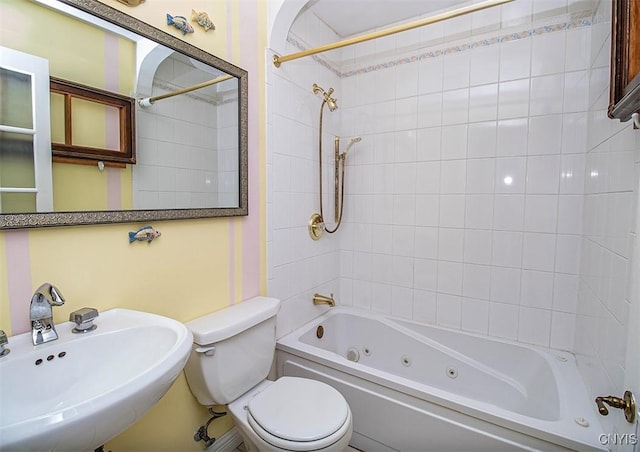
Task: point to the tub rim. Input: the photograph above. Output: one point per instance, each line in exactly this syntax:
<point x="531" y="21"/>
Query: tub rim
<point x="573" y="397"/>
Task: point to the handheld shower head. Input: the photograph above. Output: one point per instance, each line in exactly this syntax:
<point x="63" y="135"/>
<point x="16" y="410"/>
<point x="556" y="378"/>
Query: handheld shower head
<point x="352" y="141"/>
<point x="332" y="104"/>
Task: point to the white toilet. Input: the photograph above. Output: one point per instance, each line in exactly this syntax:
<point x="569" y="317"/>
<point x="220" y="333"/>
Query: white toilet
<point x="231" y="357"/>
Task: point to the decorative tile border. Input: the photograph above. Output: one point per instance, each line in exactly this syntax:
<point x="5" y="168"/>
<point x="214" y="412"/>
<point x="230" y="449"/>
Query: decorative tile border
<point x="577" y="20"/>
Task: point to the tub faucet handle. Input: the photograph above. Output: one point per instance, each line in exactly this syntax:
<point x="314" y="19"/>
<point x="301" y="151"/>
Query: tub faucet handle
<point x="627" y="403"/>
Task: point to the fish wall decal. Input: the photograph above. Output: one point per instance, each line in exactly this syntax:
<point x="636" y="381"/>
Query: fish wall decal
<point x="131" y="2"/>
<point x="202" y="19"/>
<point x="180" y="22"/>
<point x="146" y="233"/>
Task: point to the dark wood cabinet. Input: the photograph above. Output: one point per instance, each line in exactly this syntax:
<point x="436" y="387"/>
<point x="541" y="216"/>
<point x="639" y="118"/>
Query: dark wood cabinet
<point x="624" y="99"/>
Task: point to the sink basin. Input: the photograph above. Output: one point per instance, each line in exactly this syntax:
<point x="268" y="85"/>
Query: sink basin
<point x="79" y="391"/>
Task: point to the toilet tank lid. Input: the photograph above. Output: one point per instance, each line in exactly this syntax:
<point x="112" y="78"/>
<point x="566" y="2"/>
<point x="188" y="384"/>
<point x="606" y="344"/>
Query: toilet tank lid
<point x="223" y="324"/>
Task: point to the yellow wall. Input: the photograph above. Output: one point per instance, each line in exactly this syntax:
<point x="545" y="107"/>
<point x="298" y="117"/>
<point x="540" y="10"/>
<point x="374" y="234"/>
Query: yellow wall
<point x="180" y="275"/>
<point x="196" y="267"/>
<point x="46" y="33"/>
<point x="75" y="53"/>
<point x="213" y="41"/>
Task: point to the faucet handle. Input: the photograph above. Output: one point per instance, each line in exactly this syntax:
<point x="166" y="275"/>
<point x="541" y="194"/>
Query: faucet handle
<point x="627" y="403"/>
<point x="84" y="320"/>
<point x="3" y="341"/>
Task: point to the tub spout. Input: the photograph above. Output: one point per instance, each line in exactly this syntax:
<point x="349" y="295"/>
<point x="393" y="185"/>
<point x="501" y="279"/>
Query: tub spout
<point x="323" y="299"/>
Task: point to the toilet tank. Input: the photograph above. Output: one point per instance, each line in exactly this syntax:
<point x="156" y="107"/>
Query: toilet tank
<point x="232" y="350"/>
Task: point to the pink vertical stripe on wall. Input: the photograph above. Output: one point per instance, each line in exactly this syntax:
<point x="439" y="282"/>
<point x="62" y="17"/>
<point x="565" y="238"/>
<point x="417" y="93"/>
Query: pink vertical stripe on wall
<point x="249" y="60"/>
<point x="232" y="223"/>
<point x="232" y="262"/>
<point x="112" y="126"/>
<point x="114" y="189"/>
<point x="18" y="279"/>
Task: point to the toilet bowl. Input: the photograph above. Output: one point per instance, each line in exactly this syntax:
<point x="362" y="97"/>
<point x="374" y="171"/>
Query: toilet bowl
<point x="230" y="359"/>
<point x="293" y="414"/>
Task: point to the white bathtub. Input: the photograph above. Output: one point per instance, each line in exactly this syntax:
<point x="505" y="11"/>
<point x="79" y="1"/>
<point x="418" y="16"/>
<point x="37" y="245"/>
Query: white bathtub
<point x="416" y="387"/>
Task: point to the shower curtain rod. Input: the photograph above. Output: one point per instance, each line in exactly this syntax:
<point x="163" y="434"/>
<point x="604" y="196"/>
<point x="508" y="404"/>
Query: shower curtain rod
<point x="278" y="60"/>
<point x="150" y="100"/>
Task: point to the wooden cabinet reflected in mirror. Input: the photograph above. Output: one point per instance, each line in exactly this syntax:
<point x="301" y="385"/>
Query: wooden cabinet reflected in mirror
<point x="624" y="99"/>
<point x="77" y="105"/>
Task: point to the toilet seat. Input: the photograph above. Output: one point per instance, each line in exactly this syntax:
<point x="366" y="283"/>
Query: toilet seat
<point x="299" y="414"/>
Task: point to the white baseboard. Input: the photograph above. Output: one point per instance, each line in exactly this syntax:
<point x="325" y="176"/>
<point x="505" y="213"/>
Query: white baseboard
<point x="227" y="442"/>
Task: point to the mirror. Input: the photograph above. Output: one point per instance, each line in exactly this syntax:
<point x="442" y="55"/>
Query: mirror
<point x="191" y="149"/>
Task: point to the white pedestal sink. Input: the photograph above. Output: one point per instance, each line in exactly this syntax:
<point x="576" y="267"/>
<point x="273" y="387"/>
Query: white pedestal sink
<point x="79" y="391"/>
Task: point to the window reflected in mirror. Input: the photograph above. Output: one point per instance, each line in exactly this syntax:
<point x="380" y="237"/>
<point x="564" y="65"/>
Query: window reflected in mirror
<point x="25" y="161"/>
<point x="89" y="124"/>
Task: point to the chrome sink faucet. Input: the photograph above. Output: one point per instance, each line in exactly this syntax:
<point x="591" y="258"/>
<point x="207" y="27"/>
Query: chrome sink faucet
<point x="41" y="313"/>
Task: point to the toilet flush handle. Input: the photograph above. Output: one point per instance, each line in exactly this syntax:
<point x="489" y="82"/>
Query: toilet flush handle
<point x="208" y="351"/>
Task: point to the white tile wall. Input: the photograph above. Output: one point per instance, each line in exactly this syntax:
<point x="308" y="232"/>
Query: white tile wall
<point x="608" y="232"/>
<point x="177" y="167"/>
<point x="466" y="197"/>
<point x="480" y="215"/>
<point x="297" y="266"/>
